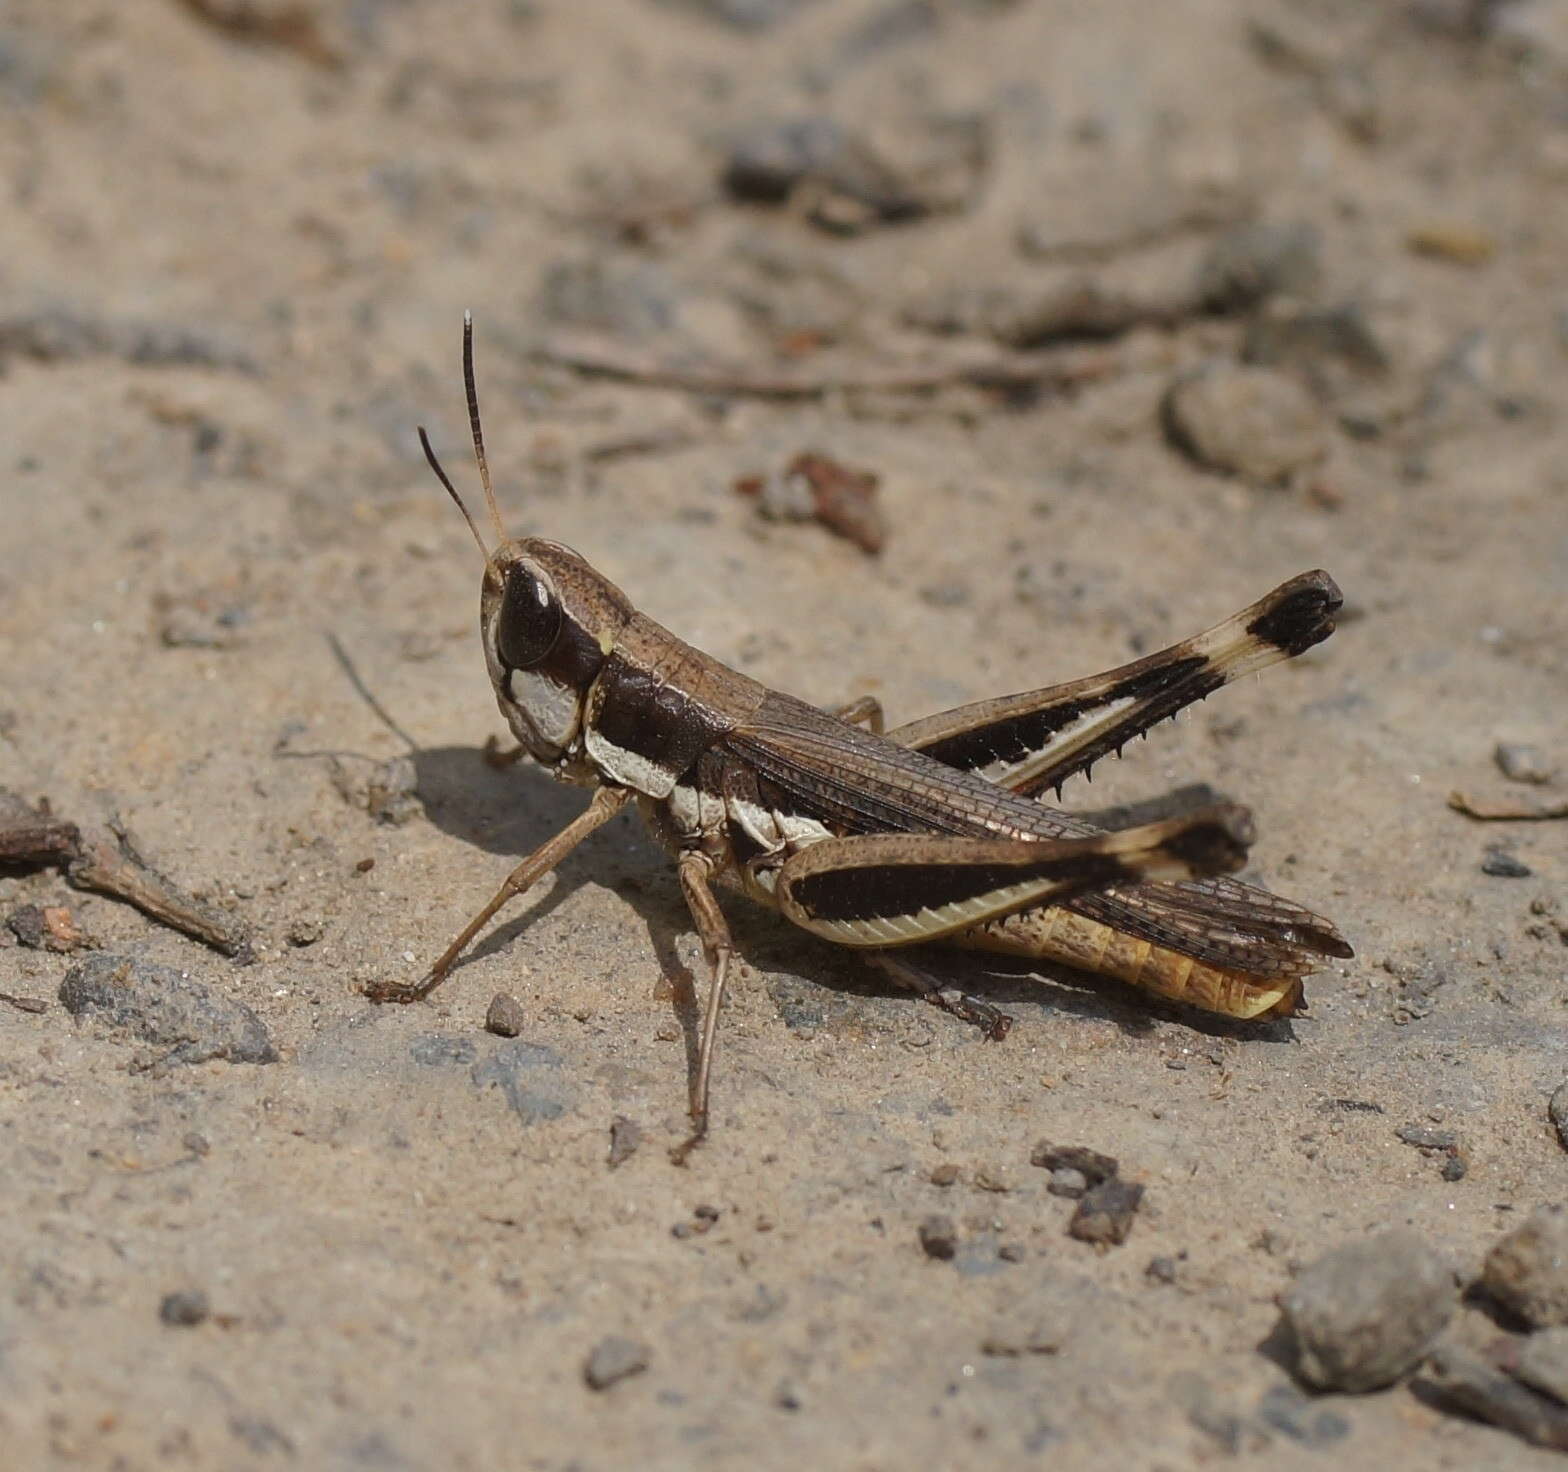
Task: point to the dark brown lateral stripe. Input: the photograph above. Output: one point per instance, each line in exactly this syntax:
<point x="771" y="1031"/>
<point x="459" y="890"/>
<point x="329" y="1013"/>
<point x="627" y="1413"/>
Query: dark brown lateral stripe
<point x="575" y="658"/>
<point x="884" y="892"/>
<point x="638" y="712"/>
<point x="1209" y="843"/>
<point x="1167" y="685"/>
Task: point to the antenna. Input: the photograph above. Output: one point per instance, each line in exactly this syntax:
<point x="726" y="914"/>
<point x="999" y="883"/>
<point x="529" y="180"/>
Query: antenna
<point x="451" y="490"/>
<point x="473" y="424"/>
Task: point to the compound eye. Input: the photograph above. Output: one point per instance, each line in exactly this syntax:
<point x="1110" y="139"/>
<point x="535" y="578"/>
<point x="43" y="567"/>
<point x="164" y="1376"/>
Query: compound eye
<point x="530" y="620"/>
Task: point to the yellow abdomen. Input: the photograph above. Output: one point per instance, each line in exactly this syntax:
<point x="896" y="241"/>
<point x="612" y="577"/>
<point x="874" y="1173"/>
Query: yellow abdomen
<point x="1056" y="934"/>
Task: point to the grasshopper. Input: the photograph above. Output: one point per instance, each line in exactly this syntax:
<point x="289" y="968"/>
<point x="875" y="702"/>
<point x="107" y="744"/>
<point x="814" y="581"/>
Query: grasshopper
<point x="888" y="840"/>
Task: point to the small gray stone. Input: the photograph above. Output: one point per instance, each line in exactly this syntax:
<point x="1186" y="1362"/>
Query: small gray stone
<point x="505" y="1017"/>
<point x="185" y="1308"/>
<point x="625" y="1137"/>
<point x="1427" y="1137"/>
<point x="769" y="159"/>
<point x="1520" y="763"/>
<point x="1543" y="1362"/>
<point x="1068" y="1182"/>
<point x="614" y="1359"/>
<point x="1253" y="262"/>
<point x="1501" y="864"/>
<point x="164" y="1007"/>
<point x="1365" y="1313"/>
<point x="939" y="1238"/>
<point x="1105" y="1215"/>
<point x="1286" y="1410"/>
<point x="743" y="15"/>
<point x="1558" y="1109"/>
<point x="1527" y="1271"/>
<point x="1251" y="422"/>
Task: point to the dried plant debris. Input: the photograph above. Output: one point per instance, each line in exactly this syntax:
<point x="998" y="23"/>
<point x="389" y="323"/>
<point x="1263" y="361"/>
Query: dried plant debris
<point x="166" y="1008"/>
<point x="110" y="863"/>
<point x="32" y="836"/>
<point x="106" y="860"/>
<point x="1507" y="810"/>
<point x="289" y="25"/>
<point x="596" y="353"/>
<point x="815" y="487"/>
<point x="1366" y="1312"/>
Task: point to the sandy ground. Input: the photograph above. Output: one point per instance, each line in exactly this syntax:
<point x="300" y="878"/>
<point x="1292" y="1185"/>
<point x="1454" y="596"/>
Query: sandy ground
<point x="238" y="241"/>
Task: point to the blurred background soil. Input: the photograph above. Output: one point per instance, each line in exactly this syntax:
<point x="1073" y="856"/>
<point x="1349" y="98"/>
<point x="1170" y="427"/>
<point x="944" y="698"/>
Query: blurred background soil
<point x="1133" y="311"/>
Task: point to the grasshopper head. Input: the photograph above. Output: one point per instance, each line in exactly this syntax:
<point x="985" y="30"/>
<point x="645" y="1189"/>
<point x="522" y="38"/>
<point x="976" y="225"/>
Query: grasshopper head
<point x="548" y="621"/>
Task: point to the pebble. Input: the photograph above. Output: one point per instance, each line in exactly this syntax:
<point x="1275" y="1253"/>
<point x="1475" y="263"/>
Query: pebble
<point x="1285" y="1409"/>
<point x="505" y="1016"/>
<point x="1543" y="1362"/>
<point x="1365" y="1313"/>
<point x="184" y="1308"/>
<point x="1472" y="1386"/>
<point x="1251" y="263"/>
<point x="1333" y="349"/>
<point x="614" y="1359"/>
<point x="743" y="15"/>
<point x="1458" y="244"/>
<point x="1527" y="1271"/>
<point x="1557" y="1108"/>
<point x="1501" y="864"/>
<point x="388" y="791"/>
<point x="1521" y="763"/>
<point x="1106" y="1213"/>
<point x="162" y="1006"/>
<point x="1427" y="1137"/>
<point x="1093" y="1166"/>
<point x="46" y="928"/>
<point x="1067" y="1182"/>
<point x="939" y="1238"/>
<point x="625" y="1137"/>
<point x="945" y="1174"/>
<point x="1252" y="422"/>
<point x="767" y="160"/>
